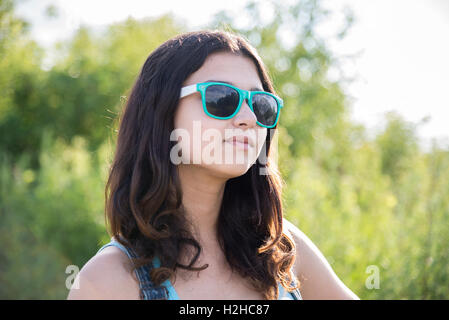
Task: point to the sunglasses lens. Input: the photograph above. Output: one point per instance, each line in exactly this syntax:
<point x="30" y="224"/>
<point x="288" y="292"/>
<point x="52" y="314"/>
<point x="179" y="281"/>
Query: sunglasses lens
<point x="265" y="108"/>
<point x="221" y="101"/>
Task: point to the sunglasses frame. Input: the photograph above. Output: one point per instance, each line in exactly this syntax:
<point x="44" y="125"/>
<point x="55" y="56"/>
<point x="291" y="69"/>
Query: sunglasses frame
<point x="243" y="94"/>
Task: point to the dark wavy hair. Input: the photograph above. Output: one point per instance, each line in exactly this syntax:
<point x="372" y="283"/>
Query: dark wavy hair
<point x="143" y="196"/>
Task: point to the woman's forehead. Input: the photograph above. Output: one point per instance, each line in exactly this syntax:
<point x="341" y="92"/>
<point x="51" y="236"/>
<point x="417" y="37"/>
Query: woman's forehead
<point x="239" y="71"/>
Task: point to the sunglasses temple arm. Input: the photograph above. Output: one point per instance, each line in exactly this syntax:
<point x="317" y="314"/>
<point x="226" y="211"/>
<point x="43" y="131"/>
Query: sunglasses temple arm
<point x="185" y="91"/>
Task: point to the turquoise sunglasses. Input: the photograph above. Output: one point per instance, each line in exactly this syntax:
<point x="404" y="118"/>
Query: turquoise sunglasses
<point x="223" y="101"/>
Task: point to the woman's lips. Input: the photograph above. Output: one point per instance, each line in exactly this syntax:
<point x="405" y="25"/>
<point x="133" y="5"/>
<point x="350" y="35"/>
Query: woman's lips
<point x="239" y="144"/>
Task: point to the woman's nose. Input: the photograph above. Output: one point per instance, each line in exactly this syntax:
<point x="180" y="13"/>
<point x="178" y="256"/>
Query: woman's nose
<point x="245" y="116"/>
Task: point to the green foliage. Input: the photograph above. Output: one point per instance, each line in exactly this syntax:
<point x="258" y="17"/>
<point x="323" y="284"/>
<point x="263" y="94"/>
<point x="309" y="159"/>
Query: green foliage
<point x="82" y="93"/>
<point x="50" y="218"/>
<point x="398" y="145"/>
<point x="20" y="76"/>
<point x="362" y="201"/>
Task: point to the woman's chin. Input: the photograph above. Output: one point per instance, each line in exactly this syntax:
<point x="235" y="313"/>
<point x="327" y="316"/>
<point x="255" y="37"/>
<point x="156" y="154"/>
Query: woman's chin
<point x="229" y="171"/>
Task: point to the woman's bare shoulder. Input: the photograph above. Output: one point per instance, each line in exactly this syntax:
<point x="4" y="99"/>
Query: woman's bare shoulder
<point x="107" y="275"/>
<point x="319" y="280"/>
<point x="295" y="235"/>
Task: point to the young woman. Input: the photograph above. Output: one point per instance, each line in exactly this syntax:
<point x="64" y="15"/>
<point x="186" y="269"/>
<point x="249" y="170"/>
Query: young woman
<point x="193" y="202"/>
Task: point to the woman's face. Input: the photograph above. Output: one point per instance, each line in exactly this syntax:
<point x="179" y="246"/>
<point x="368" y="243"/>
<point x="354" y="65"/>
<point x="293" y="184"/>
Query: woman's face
<point x="207" y="142"/>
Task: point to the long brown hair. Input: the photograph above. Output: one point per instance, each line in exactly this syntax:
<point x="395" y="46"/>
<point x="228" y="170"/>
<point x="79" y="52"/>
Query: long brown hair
<point x="143" y="195"/>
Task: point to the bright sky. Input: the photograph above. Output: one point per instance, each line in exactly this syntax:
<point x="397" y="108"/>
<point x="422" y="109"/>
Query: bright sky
<point x="403" y="63"/>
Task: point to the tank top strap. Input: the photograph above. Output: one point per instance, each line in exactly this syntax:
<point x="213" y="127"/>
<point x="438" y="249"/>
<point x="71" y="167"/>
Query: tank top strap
<point x="296" y="294"/>
<point x="148" y="290"/>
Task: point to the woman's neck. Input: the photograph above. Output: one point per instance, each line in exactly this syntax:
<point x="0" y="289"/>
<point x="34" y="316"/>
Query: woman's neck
<point x="202" y="194"/>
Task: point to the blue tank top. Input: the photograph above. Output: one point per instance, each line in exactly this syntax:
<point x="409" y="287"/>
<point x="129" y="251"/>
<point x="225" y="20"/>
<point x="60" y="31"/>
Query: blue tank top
<point x="149" y="291"/>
